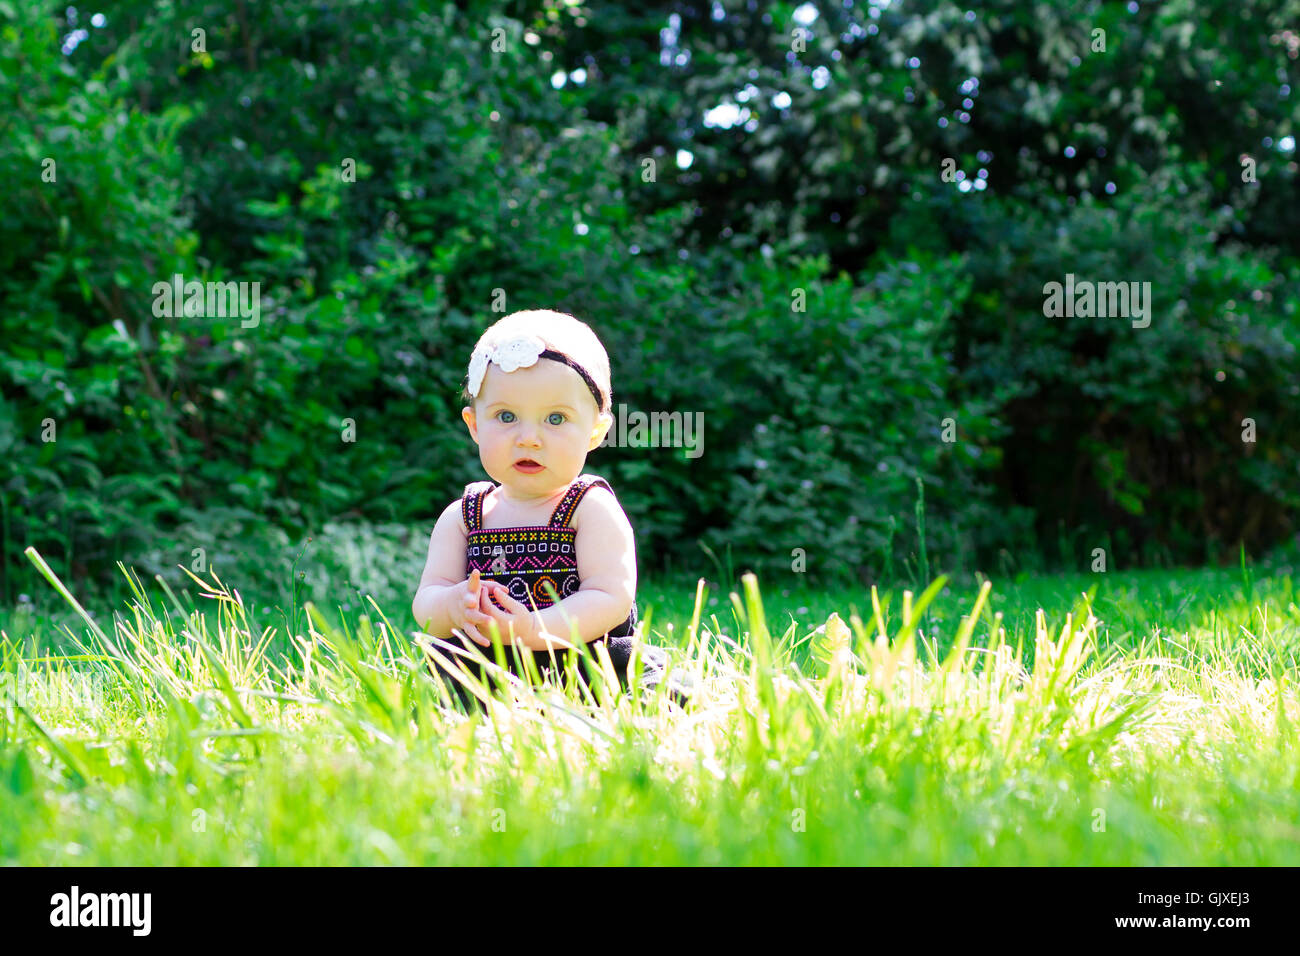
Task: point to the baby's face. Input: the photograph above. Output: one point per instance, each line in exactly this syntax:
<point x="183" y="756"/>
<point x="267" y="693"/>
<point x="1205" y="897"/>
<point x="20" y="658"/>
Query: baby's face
<point x="544" y="413"/>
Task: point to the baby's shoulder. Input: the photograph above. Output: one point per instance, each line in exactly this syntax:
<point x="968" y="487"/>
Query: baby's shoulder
<point x="453" y="516"/>
<point x="465" y="503"/>
<point x="598" y="505"/>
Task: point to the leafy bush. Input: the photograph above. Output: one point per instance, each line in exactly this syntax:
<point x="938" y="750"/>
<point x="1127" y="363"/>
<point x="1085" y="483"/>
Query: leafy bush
<point x="339" y="564"/>
<point x="1139" y="439"/>
<point x="480" y="188"/>
<point x="90" y="458"/>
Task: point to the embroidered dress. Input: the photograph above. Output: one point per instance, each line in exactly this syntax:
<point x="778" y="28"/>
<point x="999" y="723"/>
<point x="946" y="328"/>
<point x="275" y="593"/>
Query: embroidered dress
<point x="527" y="559"/>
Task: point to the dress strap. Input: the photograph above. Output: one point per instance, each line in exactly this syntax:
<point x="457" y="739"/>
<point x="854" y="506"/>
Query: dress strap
<point x="471" y="503"/>
<point x="564" y="511"/>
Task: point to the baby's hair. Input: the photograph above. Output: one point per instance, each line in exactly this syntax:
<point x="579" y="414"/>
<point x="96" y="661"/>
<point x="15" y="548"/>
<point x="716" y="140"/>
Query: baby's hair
<point x="561" y="332"/>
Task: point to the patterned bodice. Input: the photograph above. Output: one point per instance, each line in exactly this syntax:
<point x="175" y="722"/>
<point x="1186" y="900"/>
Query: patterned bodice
<point x="525" y="559"/>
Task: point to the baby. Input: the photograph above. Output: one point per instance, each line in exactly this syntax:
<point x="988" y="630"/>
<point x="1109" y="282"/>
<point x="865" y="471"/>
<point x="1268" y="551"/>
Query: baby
<point x="539" y="391"/>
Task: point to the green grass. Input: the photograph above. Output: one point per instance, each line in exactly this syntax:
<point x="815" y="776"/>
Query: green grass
<point x="1152" y="723"/>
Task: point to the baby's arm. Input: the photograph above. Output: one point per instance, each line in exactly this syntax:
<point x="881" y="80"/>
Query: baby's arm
<point x="444" y="571"/>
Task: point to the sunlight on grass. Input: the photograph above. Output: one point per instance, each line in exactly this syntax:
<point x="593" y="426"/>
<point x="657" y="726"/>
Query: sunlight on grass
<point x="189" y="736"/>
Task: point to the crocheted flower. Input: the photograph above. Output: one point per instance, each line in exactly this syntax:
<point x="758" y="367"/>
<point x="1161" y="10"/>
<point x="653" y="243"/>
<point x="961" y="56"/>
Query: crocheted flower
<point x="519" y="352"/>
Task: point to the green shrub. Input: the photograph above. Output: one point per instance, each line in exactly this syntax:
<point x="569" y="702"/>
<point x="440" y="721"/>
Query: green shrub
<point x="1132" y="438"/>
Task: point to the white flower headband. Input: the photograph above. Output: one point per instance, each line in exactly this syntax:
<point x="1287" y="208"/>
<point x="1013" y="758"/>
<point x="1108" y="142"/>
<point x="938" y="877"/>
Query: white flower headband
<point x="522" y="351"/>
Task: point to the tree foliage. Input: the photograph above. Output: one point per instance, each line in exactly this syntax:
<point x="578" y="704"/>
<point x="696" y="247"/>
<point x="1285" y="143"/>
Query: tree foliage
<point x="394" y="175"/>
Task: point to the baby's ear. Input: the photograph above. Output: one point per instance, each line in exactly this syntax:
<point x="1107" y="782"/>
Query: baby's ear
<point x="603" y="423"/>
<point x="467" y="413"/>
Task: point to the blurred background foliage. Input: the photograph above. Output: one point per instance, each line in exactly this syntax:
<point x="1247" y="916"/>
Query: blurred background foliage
<point x="677" y="175"/>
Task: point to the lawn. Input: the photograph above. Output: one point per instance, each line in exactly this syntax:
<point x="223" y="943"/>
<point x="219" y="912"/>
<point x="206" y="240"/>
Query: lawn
<point x="1150" y="721"/>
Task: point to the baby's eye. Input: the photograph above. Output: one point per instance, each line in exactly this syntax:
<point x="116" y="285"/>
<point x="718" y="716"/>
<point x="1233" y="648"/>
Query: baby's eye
<point x="554" y="415"/>
<point x="505" y="421"/>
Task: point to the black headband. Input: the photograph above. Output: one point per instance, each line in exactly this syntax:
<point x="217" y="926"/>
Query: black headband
<point x="591" y="384"/>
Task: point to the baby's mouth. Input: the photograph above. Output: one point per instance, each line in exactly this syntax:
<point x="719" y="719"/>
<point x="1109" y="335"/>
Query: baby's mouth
<point x="528" y="465"/>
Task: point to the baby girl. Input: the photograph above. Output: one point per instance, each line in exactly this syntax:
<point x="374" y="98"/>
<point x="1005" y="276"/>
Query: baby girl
<point x="539" y="395"/>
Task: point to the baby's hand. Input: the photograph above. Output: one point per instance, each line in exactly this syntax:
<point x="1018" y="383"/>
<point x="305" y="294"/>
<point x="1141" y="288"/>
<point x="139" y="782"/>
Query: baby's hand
<point x="518" y="623"/>
<point x="490" y="601"/>
<point x="466" y="611"/>
<point x="491" y="595"/>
